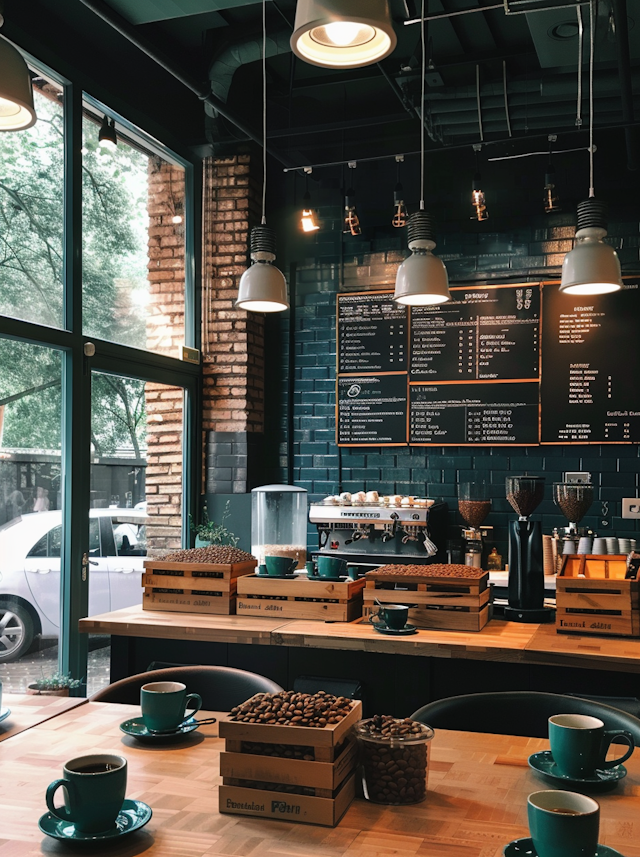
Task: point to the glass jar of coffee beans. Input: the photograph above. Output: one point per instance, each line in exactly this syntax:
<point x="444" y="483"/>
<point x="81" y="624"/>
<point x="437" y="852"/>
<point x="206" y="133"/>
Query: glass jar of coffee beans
<point x="394" y="759"/>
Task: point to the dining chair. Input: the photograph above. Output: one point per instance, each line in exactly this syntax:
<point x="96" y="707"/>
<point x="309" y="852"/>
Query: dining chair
<point x="518" y="712"/>
<point x="220" y="687"/>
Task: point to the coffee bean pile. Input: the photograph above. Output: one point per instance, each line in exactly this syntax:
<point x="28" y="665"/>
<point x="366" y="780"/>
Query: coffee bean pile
<point x="435" y="570"/>
<point x="474" y="511"/>
<point x="288" y="708"/>
<point x="394" y="772"/>
<point x="222" y="554"/>
<point x="574" y="501"/>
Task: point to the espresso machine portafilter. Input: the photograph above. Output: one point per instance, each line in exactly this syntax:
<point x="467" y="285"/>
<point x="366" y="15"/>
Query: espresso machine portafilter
<point x="526" y="570"/>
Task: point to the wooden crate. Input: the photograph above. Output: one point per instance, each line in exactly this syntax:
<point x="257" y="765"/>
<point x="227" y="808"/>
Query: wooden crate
<point x="329" y="601"/>
<point x="315" y="790"/>
<point x="454" y="603"/>
<point x="192" y="587"/>
<point x="592" y="597"/>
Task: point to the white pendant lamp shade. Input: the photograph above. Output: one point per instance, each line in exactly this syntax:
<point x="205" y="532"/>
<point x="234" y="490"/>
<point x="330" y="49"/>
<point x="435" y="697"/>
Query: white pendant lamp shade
<point x="592" y="267"/>
<point x="422" y="279"/>
<point x="16" y="93"/>
<point x="263" y="287"/>
<point x="342" y="33"/>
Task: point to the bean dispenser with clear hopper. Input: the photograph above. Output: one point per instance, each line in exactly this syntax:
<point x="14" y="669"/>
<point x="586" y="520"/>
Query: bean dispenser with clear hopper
<point x="279" y="522"/>
<point x="526" y="570"/>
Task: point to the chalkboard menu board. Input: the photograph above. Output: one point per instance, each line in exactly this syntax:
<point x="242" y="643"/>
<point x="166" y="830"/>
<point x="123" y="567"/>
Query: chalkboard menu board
<point x="481" y="334"/>
<point x="372" y="410"/>
<point x="590" y="387"/>
<point x="516" y="365"/>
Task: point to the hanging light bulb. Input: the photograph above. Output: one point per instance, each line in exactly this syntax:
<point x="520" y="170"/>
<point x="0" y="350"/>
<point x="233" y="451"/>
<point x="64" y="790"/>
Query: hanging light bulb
<point x="16" y="92"/>
<point x="477" y="194"/>
<point x="107" y="137"/>
<point x="551" y="199"/>
<point x="308" y="221"/>
<point x="400" y="214"/>
<point x="592" y="267"/>
<point x="421" y="280"/>
<point x="263" y="287"/>
<point x="327" y="34"/>
<point x="351" y="221"/>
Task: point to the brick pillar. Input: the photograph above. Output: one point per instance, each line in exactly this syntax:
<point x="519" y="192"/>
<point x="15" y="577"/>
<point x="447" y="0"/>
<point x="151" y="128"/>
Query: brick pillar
<point x="232" y="340"/>
<point x="165" y="335"/>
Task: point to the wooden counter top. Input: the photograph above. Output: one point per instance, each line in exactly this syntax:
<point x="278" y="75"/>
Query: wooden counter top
<point x="476" y="799"/>
<point x="28" y="710"/>
<point x="498" y="641"/>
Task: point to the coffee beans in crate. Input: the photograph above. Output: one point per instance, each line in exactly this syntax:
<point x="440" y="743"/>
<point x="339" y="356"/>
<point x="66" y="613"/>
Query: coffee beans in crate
<point x="394" y="758"/>
<point x="289" y="708"/>
<point x="216" y="554"/>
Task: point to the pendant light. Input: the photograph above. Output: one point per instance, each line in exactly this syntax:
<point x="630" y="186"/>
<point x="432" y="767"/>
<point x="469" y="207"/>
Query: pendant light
<point x="592" y="267"/>
<point x="400" y="214"/>
<point x="478" y="200"/>
<point x="107" y="137"/>
<point x="342" y="33"/>
<point x="263" y="287"/>
<point x="16" y="93"/>
<point x="422" y="278"/>
<point x="308" y="222"/>
<point x="351" y="221"/>
<point x="551" y="199"/>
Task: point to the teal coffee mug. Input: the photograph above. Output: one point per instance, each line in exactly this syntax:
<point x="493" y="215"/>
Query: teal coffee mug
<point x="331" y="566"/>
<point x="579" y="744"/>
<point x="563" y="824"/>
<point x="311" y="570"/>
<point x="280" y="565"/>
<point x="95" y="788"/>
<point x="164" y="705"/>
<point x="392" y="616"/>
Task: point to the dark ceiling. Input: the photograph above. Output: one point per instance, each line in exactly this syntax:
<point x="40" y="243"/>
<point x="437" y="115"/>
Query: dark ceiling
<point x="318" y="115"/>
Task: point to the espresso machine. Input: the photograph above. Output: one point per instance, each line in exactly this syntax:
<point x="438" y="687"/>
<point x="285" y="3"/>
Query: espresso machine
<point x="526" y="569"/>
<point x="375" y="533"/>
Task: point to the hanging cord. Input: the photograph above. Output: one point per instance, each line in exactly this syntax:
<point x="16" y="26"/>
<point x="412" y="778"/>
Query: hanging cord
<point x="264" y="112"/>
<point x="506" y="98"/>
<point x="580" y="41"/>
<point x="478" y="101"/>
<point x="424" y="71"/>
<point x="592" y="45"/>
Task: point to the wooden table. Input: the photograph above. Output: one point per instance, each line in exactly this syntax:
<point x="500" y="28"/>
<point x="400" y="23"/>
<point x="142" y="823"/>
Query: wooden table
<point x="476" y="802"/>
<point x="29" y="710"/>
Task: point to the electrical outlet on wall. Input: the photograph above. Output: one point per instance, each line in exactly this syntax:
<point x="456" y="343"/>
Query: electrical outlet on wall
<point x="573" y="476"/>
<point x="631" y="507"/>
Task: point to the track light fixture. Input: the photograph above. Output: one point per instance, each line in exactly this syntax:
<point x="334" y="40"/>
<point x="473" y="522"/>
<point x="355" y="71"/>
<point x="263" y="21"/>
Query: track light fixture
<point x="592" y="267"/>
<point x="107" y="137"/>
<point x="421" y="280"/>
<point x="400" y="214"/>
<point x="308" y="220"/>
<point x="263" y="287"/>
<point x="477" y="194"/>
<point x="551" y="199"/>
<point x="351" y="221"/>
<point x="16" y="92"/>
<point x="339" y="34"/>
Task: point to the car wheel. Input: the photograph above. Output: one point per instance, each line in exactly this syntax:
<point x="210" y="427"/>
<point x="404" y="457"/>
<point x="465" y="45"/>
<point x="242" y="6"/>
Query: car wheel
<point x="16" y="631"/>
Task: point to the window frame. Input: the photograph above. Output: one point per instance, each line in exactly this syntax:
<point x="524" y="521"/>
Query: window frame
<point x="78" y="363"/>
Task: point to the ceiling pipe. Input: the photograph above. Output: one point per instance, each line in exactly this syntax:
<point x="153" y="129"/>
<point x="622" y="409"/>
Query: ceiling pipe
<point x="125" y="29"/>
<point x="624" y="72"/>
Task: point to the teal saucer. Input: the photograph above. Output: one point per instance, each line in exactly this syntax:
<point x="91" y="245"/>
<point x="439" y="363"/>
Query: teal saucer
<point x="278" y="576"/>
<point x="136" y="728"/>
<point x="394" y="632"/>
<point x="133" y="815"/>
<point x="603" y="780"/>
<point x="340" y="579"/>
<point x="524" y="848"/>
<point x="4" y="713"/>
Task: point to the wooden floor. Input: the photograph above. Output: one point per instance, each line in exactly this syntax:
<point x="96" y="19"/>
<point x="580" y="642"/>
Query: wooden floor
<point x="498" y="641"/>
<point x="476" y="801"/>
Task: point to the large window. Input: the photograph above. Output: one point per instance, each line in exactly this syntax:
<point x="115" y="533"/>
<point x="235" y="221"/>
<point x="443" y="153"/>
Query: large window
<point x="97" y="416"/>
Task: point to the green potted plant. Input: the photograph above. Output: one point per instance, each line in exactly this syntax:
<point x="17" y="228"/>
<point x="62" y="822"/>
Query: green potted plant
<point x="56" y="684"/>
<point x="209" y="533"/>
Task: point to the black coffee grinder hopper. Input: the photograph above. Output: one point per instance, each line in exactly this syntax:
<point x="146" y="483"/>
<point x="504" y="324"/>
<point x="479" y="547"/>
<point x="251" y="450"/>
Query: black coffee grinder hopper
<point x="526" y="569"/>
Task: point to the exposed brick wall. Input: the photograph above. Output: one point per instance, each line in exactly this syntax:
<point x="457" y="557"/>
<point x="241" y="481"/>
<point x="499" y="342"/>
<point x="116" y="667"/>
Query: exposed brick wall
<point x="233" y="340"/>
<point x="165" y="335"/>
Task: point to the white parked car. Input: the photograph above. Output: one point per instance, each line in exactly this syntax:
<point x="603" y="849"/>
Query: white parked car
<point x="30" y="571"/>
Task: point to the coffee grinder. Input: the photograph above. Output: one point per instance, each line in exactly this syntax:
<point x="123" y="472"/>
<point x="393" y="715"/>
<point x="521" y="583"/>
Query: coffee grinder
<point x="474" y="505"/>
<point x="526" y="569"/>
<point x="574" y="500"/>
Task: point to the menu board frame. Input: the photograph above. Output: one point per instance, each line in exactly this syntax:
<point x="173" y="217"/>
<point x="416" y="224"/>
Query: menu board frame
<point x="541" y="380"/>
